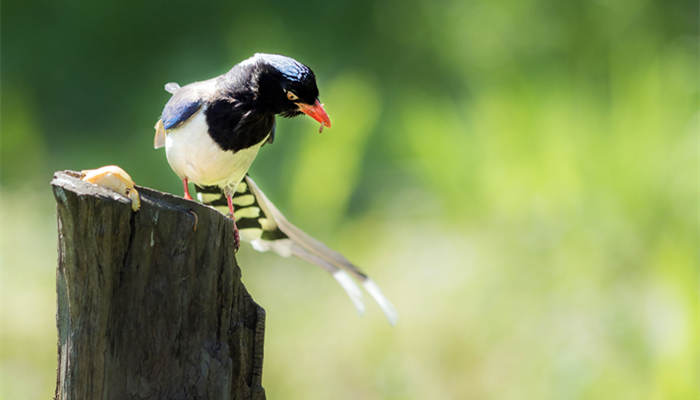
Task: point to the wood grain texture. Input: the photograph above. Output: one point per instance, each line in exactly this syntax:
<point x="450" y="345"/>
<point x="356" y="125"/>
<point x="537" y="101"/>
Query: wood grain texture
<point x="148" y="306"/>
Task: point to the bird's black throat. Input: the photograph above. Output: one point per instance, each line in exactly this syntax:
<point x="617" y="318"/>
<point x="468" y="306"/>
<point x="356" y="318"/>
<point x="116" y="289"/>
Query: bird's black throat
<point x="242" y="113"/>
<point x="236" y="127"/>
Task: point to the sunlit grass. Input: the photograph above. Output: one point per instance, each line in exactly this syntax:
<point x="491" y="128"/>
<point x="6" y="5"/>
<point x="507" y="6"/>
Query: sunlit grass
<point x="27" y="297"/>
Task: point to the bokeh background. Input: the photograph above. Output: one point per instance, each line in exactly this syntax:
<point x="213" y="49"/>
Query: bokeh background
<point x="520" y="177"/>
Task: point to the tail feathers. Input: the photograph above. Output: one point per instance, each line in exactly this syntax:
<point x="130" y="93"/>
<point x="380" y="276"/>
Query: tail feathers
<point x="268" y="230"/>
<point x="379" y="297"/>
<point x="300" y="237"/>
<point x="324" y="257"/>
<point x="341" y="276"/>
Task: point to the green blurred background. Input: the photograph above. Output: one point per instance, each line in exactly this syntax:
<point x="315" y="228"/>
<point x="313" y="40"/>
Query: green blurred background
<point x="519" y="176"/>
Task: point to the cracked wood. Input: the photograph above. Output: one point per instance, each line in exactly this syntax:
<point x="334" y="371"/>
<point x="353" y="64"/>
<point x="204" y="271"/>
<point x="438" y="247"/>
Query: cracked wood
<point x="148" y="306"/>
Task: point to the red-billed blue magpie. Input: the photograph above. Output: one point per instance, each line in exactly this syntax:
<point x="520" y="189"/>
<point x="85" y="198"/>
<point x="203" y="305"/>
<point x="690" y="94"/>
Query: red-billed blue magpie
<point x="212" y="131"/>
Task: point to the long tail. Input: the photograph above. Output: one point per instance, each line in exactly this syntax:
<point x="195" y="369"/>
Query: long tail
<point x="263" y="225"/>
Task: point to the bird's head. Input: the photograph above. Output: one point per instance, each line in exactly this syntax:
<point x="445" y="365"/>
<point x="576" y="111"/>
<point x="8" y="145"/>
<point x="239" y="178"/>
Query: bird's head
<point x="287" y="87"/>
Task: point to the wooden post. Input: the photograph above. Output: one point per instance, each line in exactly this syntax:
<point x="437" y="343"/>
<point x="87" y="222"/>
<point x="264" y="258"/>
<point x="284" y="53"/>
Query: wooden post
<point x="150" y="303"/>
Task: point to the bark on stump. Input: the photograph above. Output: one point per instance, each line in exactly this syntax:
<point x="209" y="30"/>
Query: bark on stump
<point x="148" y="306"/>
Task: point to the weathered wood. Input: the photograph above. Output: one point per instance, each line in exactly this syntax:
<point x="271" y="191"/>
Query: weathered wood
<point x="148" y="306"/>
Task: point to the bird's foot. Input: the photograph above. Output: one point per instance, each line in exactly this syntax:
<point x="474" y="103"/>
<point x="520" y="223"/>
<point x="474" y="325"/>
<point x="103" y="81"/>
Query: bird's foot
<point x="236" y="237"/>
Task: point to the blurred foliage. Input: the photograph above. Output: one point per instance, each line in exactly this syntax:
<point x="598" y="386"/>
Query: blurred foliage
<point x="521" y="177"/>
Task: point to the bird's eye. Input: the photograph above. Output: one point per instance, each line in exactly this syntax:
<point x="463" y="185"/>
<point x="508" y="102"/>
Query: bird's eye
<point x="291" y="96"/>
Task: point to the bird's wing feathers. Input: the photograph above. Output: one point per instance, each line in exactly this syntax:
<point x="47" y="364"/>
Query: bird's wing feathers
<point x="159" y="138"/>
<point x="263" y="225"/>
<point x="172" y="87"/>
<point x="184" y="103"/>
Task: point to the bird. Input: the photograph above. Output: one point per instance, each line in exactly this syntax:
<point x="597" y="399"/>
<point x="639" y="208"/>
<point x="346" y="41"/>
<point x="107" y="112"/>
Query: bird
<point x="212" y="131"/>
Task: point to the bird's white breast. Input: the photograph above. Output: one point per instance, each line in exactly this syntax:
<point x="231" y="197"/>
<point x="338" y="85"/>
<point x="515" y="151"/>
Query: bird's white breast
<point x="194" y="155"/>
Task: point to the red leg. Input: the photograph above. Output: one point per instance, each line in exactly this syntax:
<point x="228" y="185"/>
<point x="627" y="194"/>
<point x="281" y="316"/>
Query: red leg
<point x="187" y="189"/>
<point x="236" y="236"/>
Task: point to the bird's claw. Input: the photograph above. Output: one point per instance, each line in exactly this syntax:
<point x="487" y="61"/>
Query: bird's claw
<point x="236" y="237"/>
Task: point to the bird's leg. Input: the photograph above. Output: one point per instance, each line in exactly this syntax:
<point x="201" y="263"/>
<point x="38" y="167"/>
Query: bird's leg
<point x="236" y="236"/>
<point x="187" y="189"/>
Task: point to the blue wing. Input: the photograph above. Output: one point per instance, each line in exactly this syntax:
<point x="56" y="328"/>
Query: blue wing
<point x="184" y="103"/>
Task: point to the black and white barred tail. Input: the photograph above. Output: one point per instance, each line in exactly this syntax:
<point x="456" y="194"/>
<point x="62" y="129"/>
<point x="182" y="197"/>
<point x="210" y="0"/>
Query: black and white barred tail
<point x="262" y="225"/>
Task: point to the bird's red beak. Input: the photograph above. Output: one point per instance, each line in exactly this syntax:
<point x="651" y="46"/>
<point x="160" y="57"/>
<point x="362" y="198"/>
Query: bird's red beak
<point x="316" y="112"/>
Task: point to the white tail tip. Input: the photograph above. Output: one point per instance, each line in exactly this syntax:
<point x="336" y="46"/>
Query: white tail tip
<point x="384" y="304"/>
<point x="351" y="289"/>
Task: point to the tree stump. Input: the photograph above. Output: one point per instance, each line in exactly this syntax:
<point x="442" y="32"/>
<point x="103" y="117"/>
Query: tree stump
<point x="150" y="303"/>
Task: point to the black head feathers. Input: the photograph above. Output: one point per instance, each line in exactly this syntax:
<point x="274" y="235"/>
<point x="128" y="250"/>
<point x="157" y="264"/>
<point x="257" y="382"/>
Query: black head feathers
<point x="273" y="83"/>
<point x="240" y="105"/>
